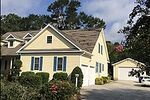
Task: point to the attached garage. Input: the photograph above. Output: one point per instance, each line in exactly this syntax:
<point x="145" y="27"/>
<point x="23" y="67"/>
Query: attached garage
<point x="89" y="75"/>
<point x="123" y="67"/>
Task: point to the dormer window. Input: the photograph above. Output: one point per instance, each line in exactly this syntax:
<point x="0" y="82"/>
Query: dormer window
<point x="49" y="39"/>
<point x="10" y="44"/>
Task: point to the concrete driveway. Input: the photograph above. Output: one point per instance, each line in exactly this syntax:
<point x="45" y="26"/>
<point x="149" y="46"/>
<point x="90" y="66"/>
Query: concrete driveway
<point x="117" y="90"/>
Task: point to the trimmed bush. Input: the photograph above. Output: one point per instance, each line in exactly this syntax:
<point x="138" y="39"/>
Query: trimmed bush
<point x="57" y="90"/>
<point x="77" y="70"/>
<point x="99" y="81"/>
<point x="28" y="73"/>
<point x="29" y="79"/>
<point x="44" y="76"/>
<point x="60" y="76"/>
<point x="102" y="80"/>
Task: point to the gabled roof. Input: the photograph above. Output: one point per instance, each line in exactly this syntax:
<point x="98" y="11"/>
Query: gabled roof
<point x="81" y="39"/>
<point x="19" y="34"/>
<point x="28" y="35"/>
<point x="128" y="59"/>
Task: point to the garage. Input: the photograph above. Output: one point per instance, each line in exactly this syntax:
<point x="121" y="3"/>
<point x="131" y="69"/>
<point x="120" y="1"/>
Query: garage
<point x="123" y="67"/>
<point x="89" y="75"/>
<point x="123" y="74"/>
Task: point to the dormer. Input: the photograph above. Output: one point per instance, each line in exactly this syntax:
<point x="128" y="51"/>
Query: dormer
<point x="10" y="38"/>
<point x="27" y="37"/>
<point x="12" y="41"/>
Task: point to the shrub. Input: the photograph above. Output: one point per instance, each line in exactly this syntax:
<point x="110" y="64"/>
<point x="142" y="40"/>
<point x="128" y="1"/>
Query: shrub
<point x="28" y="73"/>
<point x="44" y="76"/>
<point x="56" y="89"/>
<point x="60" y="76"/>
<point x="30" y="80"/>
<point x="77" y="70"/>
<point x="15" y="91"/>
<point x="102" y="80"/>
<point x="99" y="81"/>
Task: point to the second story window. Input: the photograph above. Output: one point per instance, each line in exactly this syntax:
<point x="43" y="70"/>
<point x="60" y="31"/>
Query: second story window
<point x="49" y="39"/>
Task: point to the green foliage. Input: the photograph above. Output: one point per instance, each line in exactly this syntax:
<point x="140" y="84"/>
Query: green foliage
<point x="137" y="33"/>
<point x="99" y="81"/>
<point x="77" y="70"/>
<point x="57" y="90"/>
<point x="65" y="16"/>
<point x="15" y="91"/>
<point x="60" y="76"/>
<point x="44" y="76"/>
<point x="13" y="22"/>
<point x="102" y="80"/>
<point x="29" y="79"/>
<point x="28" y="73"/>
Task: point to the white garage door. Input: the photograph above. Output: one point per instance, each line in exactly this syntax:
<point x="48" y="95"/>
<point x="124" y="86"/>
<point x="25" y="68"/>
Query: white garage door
<point x="88" y="76"/>
<point x="123" y="74"/>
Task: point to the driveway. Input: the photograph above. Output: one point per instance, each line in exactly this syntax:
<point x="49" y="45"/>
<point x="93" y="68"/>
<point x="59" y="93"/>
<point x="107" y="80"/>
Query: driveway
<point x="117" y="90"/>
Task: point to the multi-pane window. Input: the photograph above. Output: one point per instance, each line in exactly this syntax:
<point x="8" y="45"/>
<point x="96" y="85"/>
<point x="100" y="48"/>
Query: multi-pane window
<point x="49" y="39"/>
<point x="60" y="64"/>
<point x="36" y="64"/>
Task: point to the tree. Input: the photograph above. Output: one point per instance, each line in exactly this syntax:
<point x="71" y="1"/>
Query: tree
<point x="138" y="33"/>
<point x="65" y="16"/>
<point x="11" y="22"/>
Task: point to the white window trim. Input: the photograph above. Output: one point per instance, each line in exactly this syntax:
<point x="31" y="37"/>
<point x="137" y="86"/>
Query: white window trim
<point x="9" y="44"/>
<point x="47" y="38"/>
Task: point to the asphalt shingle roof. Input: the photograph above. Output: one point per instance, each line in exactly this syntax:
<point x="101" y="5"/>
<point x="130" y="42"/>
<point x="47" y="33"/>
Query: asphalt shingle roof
<point x="84" y="39"/>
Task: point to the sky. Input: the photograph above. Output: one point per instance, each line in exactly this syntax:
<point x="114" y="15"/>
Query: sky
<point x="114" y="12"/>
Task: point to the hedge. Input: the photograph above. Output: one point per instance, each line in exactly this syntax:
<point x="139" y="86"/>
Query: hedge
<point x="44" y="76"/>
<point x="60" y="76"/>
<point x="30" y="79"/>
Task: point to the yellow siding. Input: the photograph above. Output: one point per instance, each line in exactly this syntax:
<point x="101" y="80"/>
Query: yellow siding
<point x="100" y="58"/>
<point x="125" y="64"/>
<point x="72" y="62"/>
<point x="57" y="41"/>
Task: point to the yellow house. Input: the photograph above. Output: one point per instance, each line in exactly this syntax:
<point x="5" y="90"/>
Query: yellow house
<point x="52" y="50"/>
<point x="123" y="67"/>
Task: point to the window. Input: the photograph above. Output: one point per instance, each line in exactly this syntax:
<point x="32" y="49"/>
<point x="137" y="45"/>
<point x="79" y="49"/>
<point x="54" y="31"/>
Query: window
<point x="100" y="68"/>
<point x="60" y="64"/>
<point x="11" y="43"/>
<point x="96" y="67"/>
<point x="99" y="48"/>
<point x="49" y="39"/>
<point x="36" y="64"/>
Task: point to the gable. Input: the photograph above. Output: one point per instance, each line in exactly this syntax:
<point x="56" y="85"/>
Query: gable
<point x="10" y="37"/>
<point x="102" y="43"/>
<point x="40" y="42"/>
<point x="28" y="35"/>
